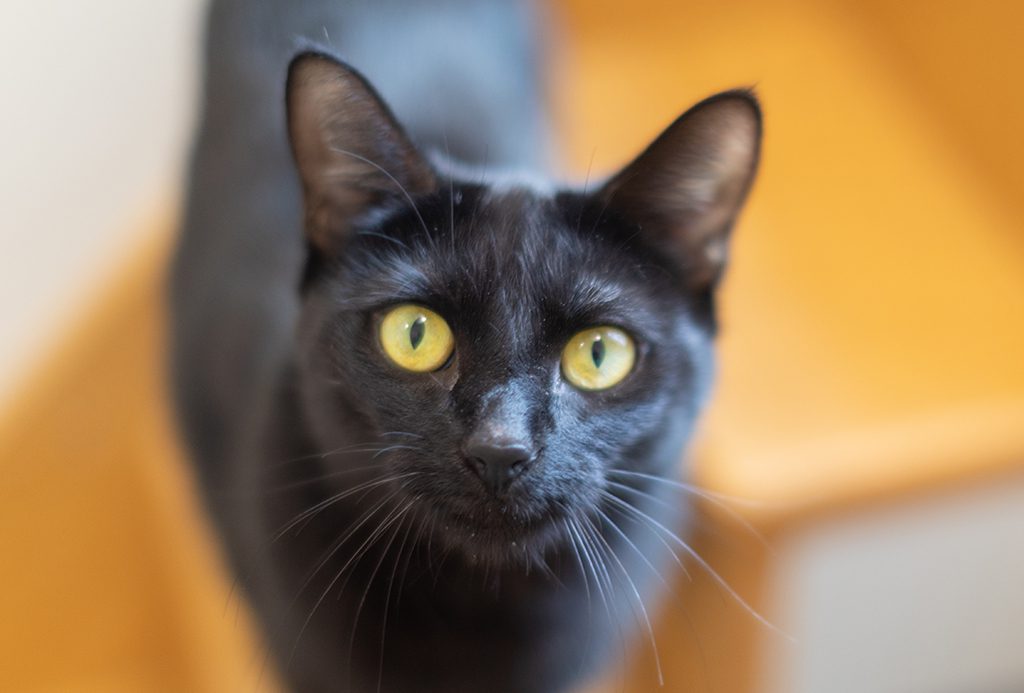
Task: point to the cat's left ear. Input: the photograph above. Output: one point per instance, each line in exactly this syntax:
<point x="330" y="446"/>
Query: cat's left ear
<point x="351" y="153"/>
<point x="687" y="188"/>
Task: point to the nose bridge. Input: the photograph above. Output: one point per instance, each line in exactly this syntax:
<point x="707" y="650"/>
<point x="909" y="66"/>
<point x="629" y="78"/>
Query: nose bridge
<point x="500" y="397"/>
<point x="504" y="416"/>
<point x="501" y="446"/>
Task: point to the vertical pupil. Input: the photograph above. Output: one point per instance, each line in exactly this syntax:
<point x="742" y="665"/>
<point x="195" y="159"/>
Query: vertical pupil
<point x="597" y="352"/>
<point x="417" y="330"/>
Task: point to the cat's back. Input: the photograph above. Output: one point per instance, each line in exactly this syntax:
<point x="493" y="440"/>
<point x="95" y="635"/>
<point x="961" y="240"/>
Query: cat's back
<point x="461" y="75"/>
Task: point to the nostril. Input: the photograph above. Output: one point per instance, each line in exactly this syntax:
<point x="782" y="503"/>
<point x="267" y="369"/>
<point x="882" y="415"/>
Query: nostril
<point x="476" y="465"/>
<point x="496" y="464"/>
<point x="490" y="454"/>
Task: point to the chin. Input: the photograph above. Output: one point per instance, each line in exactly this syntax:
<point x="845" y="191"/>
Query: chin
<point x="499" y="532"/>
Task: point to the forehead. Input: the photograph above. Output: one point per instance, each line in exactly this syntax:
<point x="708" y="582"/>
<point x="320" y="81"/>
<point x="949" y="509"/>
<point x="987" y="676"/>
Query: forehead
<point x="514" y="254"/>
<point x="519" y="240"/>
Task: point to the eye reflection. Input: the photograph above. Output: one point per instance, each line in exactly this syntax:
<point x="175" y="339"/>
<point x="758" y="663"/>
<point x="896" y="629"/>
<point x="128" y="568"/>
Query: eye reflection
<point x="416" y="338"/>
<point x="598" y="358"/>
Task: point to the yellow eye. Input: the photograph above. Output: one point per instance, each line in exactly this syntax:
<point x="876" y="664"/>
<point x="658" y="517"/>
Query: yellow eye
<point x="598" y="358"/>
<point x="416" y="338"/>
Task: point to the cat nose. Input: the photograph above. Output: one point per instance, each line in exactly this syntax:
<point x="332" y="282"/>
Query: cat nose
<point x="498" y="463"/>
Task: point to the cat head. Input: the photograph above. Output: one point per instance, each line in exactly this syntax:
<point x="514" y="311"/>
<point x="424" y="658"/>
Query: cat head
<point x="507" y="347"/>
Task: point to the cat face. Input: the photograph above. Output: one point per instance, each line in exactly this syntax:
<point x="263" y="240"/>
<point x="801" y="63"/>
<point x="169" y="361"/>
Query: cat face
<point x="560" y="334"/>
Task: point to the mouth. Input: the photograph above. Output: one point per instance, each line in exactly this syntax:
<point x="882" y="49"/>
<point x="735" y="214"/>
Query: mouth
<point x="519" y="523"/>
<point x="499" y="532"/>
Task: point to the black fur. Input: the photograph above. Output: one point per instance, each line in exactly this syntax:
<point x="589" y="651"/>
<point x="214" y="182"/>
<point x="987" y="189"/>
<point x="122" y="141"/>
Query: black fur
<point x="375" y="559"/>
<point x="488" y="596"/>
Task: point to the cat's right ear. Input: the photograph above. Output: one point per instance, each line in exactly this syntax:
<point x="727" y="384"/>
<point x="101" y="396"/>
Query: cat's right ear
<point x="686" y="189"/>
<point x="351" y="153"/>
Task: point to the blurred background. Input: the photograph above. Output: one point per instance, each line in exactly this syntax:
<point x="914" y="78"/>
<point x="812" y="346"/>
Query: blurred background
<point x="870" y="409"/>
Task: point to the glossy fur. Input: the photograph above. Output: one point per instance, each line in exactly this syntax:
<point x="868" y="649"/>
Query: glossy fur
<point x="375" y="557"/>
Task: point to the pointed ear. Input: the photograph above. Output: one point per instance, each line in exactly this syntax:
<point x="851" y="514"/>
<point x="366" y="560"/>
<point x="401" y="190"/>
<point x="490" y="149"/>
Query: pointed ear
<point x="351" y="153"/>
<point x="687" y="188"/>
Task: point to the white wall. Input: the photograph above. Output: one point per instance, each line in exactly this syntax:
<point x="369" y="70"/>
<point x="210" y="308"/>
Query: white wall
<point x="97" y="100"/>
<point x="926" y="597"/>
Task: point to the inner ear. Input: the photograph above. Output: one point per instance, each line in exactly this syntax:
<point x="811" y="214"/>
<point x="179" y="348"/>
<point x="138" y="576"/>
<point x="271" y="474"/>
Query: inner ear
<point x="351" y="153"/>
<point x="687" y="188"/>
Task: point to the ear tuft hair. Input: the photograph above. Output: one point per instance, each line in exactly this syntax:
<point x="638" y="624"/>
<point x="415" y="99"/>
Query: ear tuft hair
<point x="687" y="188"/>
<point x="351" y="153"/>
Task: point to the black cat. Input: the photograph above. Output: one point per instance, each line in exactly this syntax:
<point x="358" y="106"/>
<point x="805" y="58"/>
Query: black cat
<point x="435" y="433"/>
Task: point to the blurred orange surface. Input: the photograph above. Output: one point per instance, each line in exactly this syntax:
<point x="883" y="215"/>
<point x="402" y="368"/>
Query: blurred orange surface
<point x="873" y="329"/>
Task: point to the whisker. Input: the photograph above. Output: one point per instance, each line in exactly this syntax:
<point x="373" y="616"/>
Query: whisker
<point x="361" y="552"/>
<point x="694" y="489"/>
<point x="593" y="549"/>
<point x="579" y="561"/>
<point x="640" y="492"/>
<point x="643" y="557"/>
<point x="608" y="520"/>
<point x="338" y="543"/>
<point x="394" y="180"/>
<point x="395" y="447"/>
<point x="387" y="600"/>
<point x="713" y="498"/>
<point x="396" y="241"/>
<point x="243" y="578"/>
<point x="609" y="551"/>
<point x="345" y="449"/>
<point x="370" y="579"/>
<point x="588" y="557"/>
<point x="451" y="197"/>
<point x="700" y="561"/>
<point x="319" y="478"/>
<point x="408" y="557"/>
<point x="586" y="183"/>
<point x="664" y="543"/>
<point x="355" y="557"/>
<point x="586" y="588"/>
<point x="324" y="504"/>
